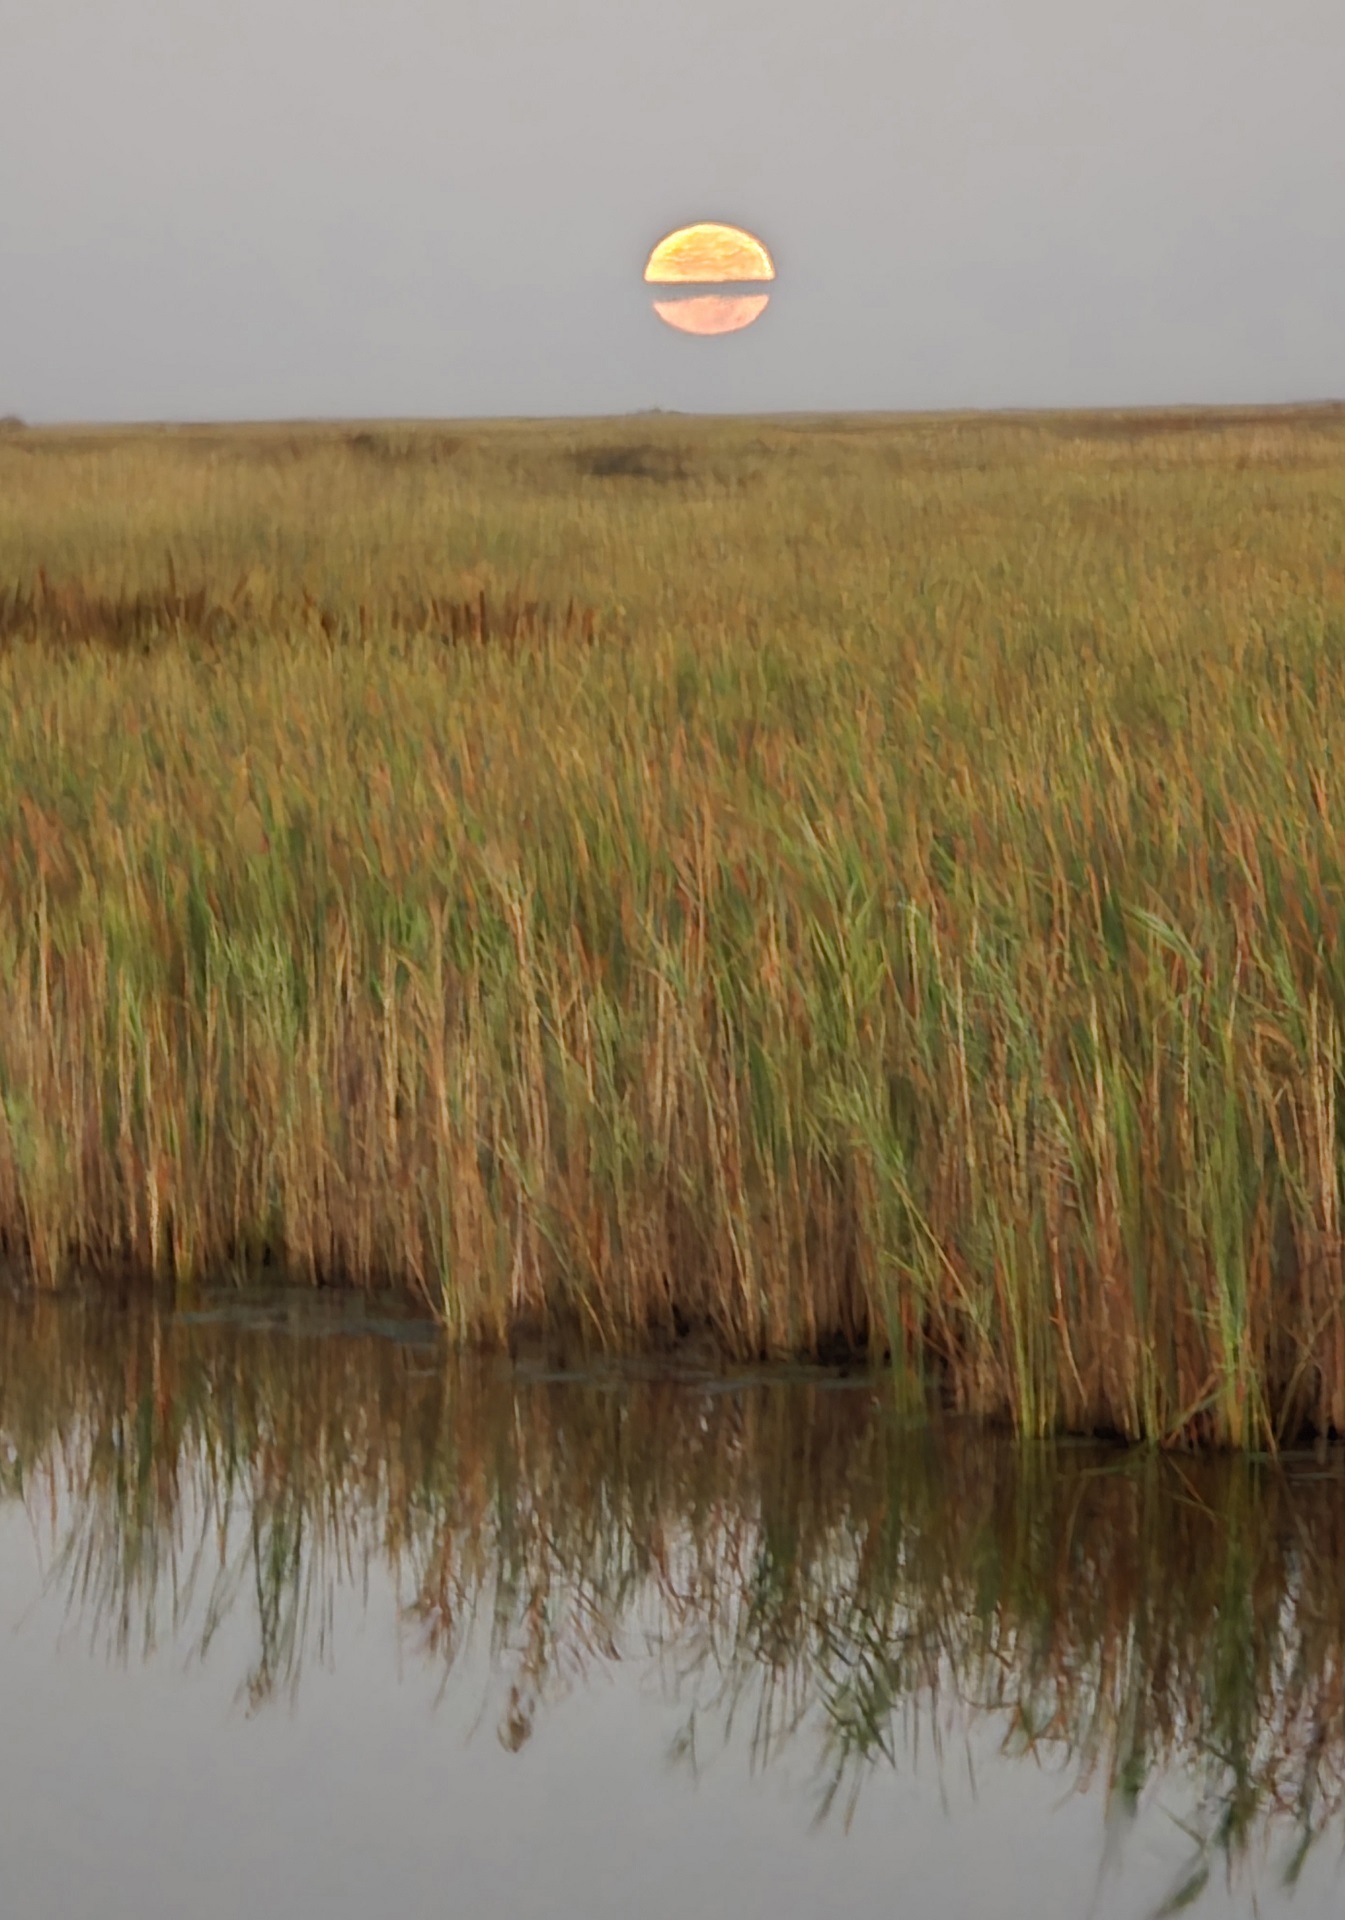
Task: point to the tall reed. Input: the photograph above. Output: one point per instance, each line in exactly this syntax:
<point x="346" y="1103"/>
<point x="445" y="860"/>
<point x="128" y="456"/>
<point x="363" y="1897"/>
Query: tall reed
<point x="889" y="902"/>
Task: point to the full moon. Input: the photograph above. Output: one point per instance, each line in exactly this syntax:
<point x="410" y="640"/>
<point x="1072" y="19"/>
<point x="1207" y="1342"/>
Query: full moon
<point x="710" y="254"/>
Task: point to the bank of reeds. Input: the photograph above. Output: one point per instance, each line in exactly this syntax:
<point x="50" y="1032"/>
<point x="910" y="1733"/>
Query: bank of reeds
<point x="801" y="1569"/>
<point x="899" y="914"/>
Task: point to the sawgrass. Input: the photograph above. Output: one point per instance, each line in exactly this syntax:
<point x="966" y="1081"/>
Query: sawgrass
<point x="859" y="885"/>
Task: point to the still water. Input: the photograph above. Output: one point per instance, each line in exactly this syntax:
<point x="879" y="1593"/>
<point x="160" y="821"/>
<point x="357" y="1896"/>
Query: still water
<point x="300" y="1617"/>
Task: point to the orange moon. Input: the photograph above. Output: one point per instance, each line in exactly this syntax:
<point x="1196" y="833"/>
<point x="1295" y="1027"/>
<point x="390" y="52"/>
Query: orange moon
<point x="710" y="254"/>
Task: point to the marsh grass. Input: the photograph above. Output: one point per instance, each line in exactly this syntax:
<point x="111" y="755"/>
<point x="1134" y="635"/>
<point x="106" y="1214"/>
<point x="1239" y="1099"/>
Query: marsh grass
<point x="895" y="909"/>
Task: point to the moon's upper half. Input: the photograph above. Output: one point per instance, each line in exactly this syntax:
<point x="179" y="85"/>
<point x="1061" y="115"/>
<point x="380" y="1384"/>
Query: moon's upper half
<point x="708" y="253"/>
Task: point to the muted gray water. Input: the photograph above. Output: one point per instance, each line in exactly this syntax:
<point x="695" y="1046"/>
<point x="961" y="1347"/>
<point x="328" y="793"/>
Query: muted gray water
<point x="297" y="1617"/>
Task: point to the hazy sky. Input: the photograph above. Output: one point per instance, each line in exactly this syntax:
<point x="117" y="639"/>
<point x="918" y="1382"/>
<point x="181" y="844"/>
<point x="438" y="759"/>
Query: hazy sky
<point x="222" y="208"/>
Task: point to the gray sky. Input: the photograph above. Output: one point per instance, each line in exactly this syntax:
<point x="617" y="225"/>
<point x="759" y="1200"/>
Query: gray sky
<point x="223" y="208"/>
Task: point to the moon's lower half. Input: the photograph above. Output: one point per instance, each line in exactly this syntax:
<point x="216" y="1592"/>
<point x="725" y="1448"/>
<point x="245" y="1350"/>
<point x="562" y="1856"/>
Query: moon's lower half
<point x="713" y="312"/>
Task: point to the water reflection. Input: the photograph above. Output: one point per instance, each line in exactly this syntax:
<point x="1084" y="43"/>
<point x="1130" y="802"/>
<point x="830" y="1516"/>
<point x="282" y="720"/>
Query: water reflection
<point x="800" y="1571"/>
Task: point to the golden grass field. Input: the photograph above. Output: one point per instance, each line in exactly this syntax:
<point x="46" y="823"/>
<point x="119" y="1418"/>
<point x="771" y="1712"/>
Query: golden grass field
<point x="824" y="885"/>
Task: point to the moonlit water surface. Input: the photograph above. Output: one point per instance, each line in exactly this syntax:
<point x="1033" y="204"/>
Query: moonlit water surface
<point x="299" y="1617"/>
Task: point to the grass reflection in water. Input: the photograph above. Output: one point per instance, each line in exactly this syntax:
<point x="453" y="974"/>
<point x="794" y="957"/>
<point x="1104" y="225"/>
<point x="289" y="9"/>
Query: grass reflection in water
<point x="794" y="1562"/>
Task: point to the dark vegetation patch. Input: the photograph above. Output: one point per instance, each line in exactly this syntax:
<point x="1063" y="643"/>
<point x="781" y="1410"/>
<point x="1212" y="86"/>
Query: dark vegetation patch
<point x="72" y="616"/>
<point x="710" y="469"/>
<point x="389" y="446"/>
<point x="633" y="460"/>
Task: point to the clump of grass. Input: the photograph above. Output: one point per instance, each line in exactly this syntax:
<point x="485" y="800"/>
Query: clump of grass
<point x="632" y="460"/>
<point x="57" y="616"/>
<point x="903" y="918"/>
<point x="388" y="445"/>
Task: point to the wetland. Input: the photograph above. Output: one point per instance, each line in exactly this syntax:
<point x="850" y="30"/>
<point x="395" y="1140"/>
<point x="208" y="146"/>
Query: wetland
<point x="671" y="1167"/>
